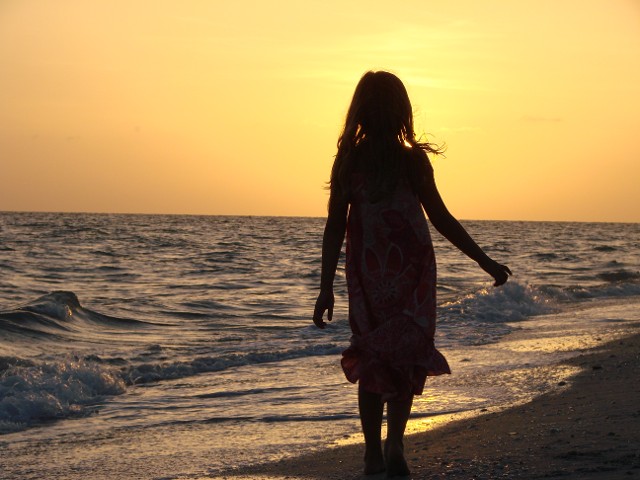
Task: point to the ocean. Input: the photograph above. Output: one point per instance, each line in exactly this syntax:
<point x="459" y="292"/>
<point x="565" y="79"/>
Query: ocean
<point x="166" y="346"/>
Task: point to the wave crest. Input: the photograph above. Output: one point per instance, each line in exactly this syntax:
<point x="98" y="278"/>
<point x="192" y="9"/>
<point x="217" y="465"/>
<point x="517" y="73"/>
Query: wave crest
<point x="55" y="313"/>
<point x="511" y="302"/>
<point x="35" y="391"/>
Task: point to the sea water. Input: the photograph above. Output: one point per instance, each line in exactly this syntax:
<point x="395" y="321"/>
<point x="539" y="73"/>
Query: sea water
<point x="156" y="346"/>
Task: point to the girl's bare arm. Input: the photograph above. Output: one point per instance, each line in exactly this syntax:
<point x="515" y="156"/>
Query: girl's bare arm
<point x="332" y="239"/>
<point x="451" y="229"/>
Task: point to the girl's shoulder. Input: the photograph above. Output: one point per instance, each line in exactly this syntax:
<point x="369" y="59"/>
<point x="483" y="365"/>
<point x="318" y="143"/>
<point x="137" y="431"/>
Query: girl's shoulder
<point x="419" y="158"/>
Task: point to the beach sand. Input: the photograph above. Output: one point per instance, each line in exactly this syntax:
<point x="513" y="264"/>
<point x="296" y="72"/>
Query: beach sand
<point x="586" y="428"/>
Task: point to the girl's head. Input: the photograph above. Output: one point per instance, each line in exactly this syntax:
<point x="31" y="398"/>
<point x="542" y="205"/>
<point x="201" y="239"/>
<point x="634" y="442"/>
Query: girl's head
<point x="380" y="120"/>
<point x="380" y="109"/>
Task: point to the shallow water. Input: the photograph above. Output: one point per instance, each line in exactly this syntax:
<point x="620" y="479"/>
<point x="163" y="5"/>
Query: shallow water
<point x="190" y="337"/>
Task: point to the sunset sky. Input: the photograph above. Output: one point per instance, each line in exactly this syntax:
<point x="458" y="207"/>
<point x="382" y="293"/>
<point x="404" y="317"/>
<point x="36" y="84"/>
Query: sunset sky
<point x="220" y="107"/>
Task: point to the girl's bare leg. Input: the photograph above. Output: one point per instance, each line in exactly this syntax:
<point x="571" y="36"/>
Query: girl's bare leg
<point x="397" y="417"/>
<point x="371" y="408"/>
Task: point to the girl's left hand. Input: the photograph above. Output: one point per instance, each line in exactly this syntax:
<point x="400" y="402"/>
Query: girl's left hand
<point x="500" y="273"/>
<point x="324" y="302"/>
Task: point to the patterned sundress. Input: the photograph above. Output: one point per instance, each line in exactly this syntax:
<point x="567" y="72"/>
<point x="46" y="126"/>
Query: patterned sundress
<point x="391" y="279"/>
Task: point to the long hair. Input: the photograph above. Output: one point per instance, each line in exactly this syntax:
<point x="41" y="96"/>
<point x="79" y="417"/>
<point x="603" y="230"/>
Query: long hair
<point x="378" y="132"/>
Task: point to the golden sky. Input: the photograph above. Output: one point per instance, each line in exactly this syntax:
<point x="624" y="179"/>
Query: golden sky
<point x="219" y="107"/>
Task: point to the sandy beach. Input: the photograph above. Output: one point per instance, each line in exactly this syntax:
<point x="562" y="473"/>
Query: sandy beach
<point x="587" y="428"/>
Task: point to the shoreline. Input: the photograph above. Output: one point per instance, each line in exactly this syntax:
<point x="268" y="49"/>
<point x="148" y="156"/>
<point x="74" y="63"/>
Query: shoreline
<point x="586" y="428"/>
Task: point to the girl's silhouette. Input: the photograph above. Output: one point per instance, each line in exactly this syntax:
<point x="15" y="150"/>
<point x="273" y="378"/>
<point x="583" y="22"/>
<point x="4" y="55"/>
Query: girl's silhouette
<point x="380" y="182"/>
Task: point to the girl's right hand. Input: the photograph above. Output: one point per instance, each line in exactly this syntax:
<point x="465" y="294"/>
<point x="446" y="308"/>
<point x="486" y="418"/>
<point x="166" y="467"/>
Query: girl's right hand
<point x="500" y="273"/>
<point x="324" y="302"/>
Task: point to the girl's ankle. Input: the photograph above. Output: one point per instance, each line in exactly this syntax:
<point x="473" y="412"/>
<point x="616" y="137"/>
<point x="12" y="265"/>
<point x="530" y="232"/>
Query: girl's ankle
<point x="373" y="461"/>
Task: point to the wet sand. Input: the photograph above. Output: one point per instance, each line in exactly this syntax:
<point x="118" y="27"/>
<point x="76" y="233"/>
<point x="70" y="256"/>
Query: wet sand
<point x="586" y="428"/>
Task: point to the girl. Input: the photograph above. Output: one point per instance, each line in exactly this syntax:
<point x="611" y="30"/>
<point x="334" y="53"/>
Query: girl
<point x="380" y="182"/>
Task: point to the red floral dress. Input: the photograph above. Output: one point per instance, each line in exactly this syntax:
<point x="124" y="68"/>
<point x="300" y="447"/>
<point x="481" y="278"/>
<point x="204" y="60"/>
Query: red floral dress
<point x="391" y="279"/>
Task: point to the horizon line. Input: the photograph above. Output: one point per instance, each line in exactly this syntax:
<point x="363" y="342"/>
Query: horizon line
<point x="69" y="212"/>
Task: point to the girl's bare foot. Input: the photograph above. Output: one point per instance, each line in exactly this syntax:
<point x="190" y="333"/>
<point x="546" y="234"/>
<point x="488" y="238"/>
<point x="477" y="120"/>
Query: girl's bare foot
<point x="373" y="462"/>
<point x="396" y="463"/>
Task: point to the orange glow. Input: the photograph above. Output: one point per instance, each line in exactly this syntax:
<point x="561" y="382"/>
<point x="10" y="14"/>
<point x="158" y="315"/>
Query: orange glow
<point x="217" y="108"/>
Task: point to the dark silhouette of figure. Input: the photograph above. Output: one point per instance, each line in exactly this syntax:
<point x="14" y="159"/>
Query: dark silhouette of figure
<point x="381" y="181"/>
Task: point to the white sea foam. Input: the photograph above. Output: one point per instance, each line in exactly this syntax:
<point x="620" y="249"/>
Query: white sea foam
<point x="34" y="391"/>
<point x="511" y="302"/>
<point x="151" y="372"/>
